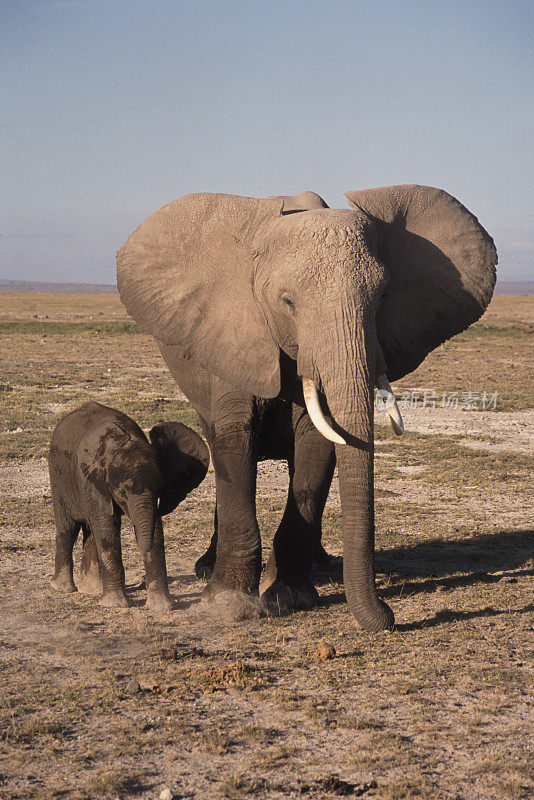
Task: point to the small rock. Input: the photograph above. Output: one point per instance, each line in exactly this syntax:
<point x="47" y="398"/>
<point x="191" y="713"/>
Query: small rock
<point x="166" y="794"/>
<point x="324" y="651"/>
<point x="132" y="687"/>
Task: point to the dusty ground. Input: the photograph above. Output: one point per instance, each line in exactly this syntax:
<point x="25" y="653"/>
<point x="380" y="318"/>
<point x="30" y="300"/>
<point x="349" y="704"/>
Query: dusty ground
<point x="440" y="708"/>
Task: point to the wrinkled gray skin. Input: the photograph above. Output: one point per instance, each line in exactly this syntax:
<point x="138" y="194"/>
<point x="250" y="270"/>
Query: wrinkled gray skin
<point x="101" y="467"/>
<point x="248" y="297"/>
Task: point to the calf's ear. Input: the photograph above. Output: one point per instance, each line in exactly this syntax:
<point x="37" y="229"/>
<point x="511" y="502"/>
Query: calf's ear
<point x="184" y="460"/>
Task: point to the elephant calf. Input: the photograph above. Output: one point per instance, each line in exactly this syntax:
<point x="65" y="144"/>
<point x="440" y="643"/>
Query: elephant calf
<point x="101" y="467"/>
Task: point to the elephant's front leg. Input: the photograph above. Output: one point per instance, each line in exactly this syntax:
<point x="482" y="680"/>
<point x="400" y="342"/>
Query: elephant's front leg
<point x="287" y="580"/>
<point x="157" y="590"/>
<point x="235" y="578"/>
<point x="106" y="531"/>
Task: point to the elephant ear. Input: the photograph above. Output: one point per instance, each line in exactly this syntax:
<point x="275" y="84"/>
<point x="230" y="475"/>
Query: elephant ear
<point x="186" y="276"/>
<point x="183" y="459"/>
<point x="441" y="263"/>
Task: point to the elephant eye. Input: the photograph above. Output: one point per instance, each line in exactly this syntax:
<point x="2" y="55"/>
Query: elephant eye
<point x="288" y="302"/>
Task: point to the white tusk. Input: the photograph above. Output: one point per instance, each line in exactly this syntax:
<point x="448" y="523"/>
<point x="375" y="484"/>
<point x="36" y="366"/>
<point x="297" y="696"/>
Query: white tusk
<point x="392" y="409"/>
<point x="313" y="407"/>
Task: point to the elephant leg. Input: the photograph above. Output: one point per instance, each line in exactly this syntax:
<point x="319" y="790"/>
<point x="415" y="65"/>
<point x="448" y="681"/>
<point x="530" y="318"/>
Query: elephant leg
<point x="205" y="564"/>
<point x="90" y="581"/>
<point x="66" y="533"/>
<point x="106" y="531"/>
<point x="157" y="589"/>
<point x="287" y="580"/>
<point x="235" y="577"/>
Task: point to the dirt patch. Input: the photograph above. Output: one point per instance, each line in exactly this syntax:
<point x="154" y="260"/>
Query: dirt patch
<point x="24" y="478"/>
<point x="487" y="430"/>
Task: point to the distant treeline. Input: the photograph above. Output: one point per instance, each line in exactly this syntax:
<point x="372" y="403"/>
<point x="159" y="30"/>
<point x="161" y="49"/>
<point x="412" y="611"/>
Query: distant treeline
<point x="515" y="287"/>
<point x="57" y="288"/>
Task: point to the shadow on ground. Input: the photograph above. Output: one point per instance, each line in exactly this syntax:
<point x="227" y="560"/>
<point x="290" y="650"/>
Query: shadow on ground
<point x="482" y="556"/>
<point x="441" y="565"/>
<point x="450" y="615"/>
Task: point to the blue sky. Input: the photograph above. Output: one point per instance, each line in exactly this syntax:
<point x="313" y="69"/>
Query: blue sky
<point x="112" y="108"/>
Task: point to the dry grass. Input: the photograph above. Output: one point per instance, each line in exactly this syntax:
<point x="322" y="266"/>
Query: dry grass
<point x="499" y="359"/>
<point x="58" y="307"/>
<point x="439" y="708"/>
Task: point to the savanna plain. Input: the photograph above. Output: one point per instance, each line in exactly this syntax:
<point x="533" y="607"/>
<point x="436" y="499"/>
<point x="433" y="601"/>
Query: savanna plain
<point x="100" y="703"/>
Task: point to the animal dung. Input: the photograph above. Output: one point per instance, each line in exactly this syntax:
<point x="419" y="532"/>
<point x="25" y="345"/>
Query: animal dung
<point x="324" y="651"/>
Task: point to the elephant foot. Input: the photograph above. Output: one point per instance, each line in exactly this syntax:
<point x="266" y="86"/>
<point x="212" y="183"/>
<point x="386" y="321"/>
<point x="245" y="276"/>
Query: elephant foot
<point x="114" y="599"/>
<point x="90" y="582"/>
<point x="204" y="567"/>
<point x="233" y="606"/>
<point x="159" y="600"/>
<point x="283" y="597"/>
<point x="63" y="582"/>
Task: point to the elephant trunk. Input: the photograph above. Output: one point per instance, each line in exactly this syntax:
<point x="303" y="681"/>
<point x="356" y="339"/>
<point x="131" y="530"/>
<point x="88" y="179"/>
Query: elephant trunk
<point x="355" y="468"/>
<point x="348" y="382"/>
<point x="142" y="512"/>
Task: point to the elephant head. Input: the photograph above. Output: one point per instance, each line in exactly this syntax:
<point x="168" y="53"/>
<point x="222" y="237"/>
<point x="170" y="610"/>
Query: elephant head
<point x="143" y="479"/>
<point x="244" y="287"/>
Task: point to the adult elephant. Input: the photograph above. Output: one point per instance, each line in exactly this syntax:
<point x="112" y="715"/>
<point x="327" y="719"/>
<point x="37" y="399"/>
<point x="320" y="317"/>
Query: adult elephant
<point x="253" y="301"/>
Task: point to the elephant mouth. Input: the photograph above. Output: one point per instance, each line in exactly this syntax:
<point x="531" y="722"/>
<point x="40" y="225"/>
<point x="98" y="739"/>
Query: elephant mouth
<point x="313" y="407"/>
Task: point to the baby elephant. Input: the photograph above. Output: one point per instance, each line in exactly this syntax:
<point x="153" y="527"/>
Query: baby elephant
<point x="101" y="467"/>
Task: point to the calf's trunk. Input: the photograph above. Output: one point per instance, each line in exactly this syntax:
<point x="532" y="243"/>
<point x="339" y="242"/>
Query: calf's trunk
<point x="142" y="511"/>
